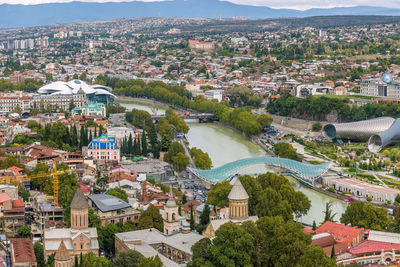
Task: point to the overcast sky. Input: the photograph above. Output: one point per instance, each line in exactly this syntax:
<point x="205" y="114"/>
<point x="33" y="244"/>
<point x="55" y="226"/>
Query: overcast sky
<point x="293" y="4"/>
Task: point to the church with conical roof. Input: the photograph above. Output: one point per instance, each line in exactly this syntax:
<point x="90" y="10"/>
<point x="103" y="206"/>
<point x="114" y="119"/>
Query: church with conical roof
<point x="70" y="242"/>
<point x="238" y="210"/>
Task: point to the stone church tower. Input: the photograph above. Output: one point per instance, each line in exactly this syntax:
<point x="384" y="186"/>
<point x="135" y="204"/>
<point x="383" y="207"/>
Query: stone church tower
<point x="79" y="211"/>
<point x="171" y="218"/>
<point x="238" y="202"/>
<point x="62" y="257"/>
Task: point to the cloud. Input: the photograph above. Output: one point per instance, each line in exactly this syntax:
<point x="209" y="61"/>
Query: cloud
<point x="291" y="4"/>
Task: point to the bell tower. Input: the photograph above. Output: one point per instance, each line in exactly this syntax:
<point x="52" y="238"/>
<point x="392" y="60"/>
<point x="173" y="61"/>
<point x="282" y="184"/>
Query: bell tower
<point x="79" y="211"/>
<point x="238" y="202"/>
<point x="171" y="217"/>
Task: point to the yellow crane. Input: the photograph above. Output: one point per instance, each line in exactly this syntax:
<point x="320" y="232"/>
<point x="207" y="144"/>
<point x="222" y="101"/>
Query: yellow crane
<point x="24" y="178"/>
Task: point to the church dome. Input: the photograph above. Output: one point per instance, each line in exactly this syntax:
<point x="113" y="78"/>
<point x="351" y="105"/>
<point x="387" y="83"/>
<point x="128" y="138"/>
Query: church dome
<point x="238" y="192"/>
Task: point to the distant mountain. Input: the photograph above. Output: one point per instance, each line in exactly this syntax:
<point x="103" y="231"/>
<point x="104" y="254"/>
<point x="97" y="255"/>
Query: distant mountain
<point x="49" y="14"/>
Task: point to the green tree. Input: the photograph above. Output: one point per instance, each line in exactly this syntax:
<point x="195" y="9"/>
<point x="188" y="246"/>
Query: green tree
<point x="173" y="150"/>
<point x="129" y="258"/>
<point x="264" y="120"/>
<point x="180" y="162"/>
<point x="218" y="195"/>
<point x="107" y="236"/>
<point x="232" y="246"/>
<point x="144" y="144"/>
<point x="317" y="126"/>
<point x="91" y="260"/>
<point x="151" y="262"/>
<point x="315" y="256"/>
<point x="366" y="215"/>
<point x="191" y="218"/>
<point x="253" y="189"/>
<point x="24" y="231"/>
<point x="333" y="254"/>
<point x="285" y="150"/>
<point x="39" y="253"/>
<point x="329" y="214"/>
<point x="119" y="193"/>
<point x="151" y="218"/>
<point x="201" y="159"/>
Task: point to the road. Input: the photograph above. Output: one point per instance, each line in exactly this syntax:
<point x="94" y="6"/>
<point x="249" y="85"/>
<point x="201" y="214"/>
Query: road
<point x="118" y="119"/>
<point x="191" y="163"/>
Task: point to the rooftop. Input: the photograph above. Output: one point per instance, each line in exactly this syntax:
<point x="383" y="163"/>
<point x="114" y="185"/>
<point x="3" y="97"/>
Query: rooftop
<point x="107" y="203"/>
<point x="22" y="251"/>
<point x="238" y="192"/>
<point x="79" y="201"/>
<point x="369" y="246"/>
<point x="341" y="232"/>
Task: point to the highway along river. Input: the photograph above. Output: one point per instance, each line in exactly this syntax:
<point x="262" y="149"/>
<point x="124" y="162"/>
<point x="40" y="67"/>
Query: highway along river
<point x="225" y="145"/>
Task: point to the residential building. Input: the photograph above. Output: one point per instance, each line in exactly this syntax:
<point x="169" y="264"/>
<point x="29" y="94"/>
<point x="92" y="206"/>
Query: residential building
<point x="22" y="253"/>
<point x="91" y="109"/>
<point x="104" y="148"/>
<point x="111" y="209"/>
<point x="363" y="190"/>
<point x="378" y="88"/>
<point x="342" y="233"/>
<point x="378" y="247"/>
<point x="45" y="212"/>
<point x="198" y="45"/>
<point x="14" y="215"/>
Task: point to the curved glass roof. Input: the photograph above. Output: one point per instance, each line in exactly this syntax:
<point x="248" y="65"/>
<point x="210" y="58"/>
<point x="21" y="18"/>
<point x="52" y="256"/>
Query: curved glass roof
<point x="306" y="172"/>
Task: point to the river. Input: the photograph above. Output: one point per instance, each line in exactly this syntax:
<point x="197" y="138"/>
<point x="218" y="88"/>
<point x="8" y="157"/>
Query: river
<point x="225" y="145"/>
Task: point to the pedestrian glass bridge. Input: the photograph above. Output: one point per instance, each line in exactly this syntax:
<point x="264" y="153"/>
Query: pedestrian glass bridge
<point x="308" y="173"/>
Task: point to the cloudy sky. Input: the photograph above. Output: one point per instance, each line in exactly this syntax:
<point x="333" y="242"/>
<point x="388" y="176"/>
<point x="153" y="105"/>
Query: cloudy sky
<point x="293" y="4"/>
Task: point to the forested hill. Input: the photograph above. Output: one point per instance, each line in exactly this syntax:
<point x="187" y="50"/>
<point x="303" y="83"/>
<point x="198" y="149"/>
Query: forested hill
<point x="271" y="24"/>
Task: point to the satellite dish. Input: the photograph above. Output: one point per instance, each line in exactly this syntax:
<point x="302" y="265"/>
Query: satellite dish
<point x="387" y="78"/>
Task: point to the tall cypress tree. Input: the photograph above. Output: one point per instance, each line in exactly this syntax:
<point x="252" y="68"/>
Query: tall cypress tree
<point x="90" y="137"/>
<point x="73" y="136"/>
<point x="191" y="218"/>
<point x="67" y="136"/>
<point x="333" y="254"/>
<point x="139" y="148"/>
<point x="144" y="144"/>
<point x="95" y="132"/>
<point x="135" y="148"/>
<point x="81" y="137"/>
<point x="86" y="137"/>
<point x="129" y="145"/>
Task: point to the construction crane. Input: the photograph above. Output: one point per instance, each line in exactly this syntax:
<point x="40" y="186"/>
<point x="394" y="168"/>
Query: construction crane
<point x="54" y="174"/>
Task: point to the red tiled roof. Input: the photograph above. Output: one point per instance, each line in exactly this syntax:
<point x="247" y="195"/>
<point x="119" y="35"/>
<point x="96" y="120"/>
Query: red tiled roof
<point x="308" y="231"/>
<point x="341" y="232"/>
<point x="4" y="197"/>
<point x="369" y="246"/>
<point x="15" y="169"/>
<point x="22" y="251"/>
<point x="18" y="203"/>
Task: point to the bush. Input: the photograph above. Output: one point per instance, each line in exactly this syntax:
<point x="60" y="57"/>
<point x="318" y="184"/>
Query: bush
<point x="316" y="127"/>
<point x="323" y="186"/>
<point x="369" y="199"/>
<point x="331" y="189"/>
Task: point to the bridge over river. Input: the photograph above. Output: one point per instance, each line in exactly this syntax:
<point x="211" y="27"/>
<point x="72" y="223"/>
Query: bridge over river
<point x="306" y="173"/>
